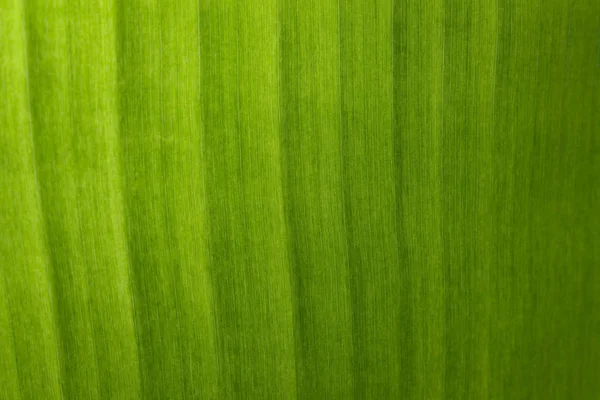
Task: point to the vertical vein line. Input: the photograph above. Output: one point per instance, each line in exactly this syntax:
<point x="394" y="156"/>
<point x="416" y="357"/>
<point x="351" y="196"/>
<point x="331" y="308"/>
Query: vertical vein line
<point x="78" y="211"/>
<point x="292" y="278"/>
<point x="120" y="174"/>
<point x="40" y="205"/>
<point x="209" y="273"/>
<point x="351" y="284"/>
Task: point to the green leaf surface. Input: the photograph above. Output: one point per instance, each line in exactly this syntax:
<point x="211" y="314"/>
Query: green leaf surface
<point x="307" y="199"/>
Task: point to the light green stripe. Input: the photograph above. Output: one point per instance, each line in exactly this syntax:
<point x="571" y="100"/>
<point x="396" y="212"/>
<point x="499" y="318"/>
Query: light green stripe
<point x="29" y="328"/>
<point x="75" y="128"/>
<point x="12" y="63"/>
<point x="95" y="122"/>
<point x="57" y="168"/>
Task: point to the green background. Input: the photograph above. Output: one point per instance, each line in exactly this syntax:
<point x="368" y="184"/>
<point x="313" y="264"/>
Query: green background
<point x="312" y="199"/>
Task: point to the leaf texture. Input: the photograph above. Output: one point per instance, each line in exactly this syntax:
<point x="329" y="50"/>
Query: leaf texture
<point x="303" y="199"/>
